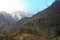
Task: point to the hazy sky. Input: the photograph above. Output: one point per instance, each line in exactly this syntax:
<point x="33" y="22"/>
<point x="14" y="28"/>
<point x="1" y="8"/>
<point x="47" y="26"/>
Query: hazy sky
<point x="24" y="5"/>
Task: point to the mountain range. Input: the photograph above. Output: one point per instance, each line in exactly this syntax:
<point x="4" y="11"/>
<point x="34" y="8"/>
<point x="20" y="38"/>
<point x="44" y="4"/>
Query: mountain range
<point x="45" y="23"/>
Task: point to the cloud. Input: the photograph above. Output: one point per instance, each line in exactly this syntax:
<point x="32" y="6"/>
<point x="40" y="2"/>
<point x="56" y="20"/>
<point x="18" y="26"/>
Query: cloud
<point x="12" y="5"/>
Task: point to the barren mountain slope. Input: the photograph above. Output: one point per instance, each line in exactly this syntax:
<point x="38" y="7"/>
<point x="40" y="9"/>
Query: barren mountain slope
<point x="46" y="23"/>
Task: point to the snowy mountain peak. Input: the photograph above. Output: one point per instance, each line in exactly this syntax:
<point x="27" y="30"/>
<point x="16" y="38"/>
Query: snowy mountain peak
<point x="18" y="15"/>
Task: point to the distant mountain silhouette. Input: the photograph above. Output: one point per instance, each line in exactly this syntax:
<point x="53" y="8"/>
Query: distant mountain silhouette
<point x="6" y="20"/>
<point x="46" y="23"/>
<point x="7" y="16"/>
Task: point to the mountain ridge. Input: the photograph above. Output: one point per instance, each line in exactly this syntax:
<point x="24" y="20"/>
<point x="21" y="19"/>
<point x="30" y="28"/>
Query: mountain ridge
<point x="48" y="19"/>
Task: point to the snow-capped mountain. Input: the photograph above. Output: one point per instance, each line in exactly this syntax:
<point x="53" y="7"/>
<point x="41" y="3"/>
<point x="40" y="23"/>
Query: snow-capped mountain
<point x="18" y="15"/>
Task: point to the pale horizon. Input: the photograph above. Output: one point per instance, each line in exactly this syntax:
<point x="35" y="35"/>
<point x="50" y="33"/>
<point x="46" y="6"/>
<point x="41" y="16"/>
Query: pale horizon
<point x="29" y="6"/>
<point x="12" y="5"/>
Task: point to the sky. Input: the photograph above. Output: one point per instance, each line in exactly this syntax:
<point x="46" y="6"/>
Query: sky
<point x="30" y="6"/>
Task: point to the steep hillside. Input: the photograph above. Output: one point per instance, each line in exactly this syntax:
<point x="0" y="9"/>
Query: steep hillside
<point x="47" y="22"/>
<point x="22" y="21"/>
<point x="44" y="25"/>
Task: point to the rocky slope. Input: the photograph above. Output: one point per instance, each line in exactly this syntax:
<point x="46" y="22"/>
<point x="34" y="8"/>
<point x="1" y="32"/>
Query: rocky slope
<point x="45" y="23"/>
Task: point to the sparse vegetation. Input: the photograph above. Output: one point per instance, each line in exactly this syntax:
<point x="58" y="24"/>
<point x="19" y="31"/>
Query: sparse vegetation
<point x="25" y="36"/>
<point x="43" y="26"/>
